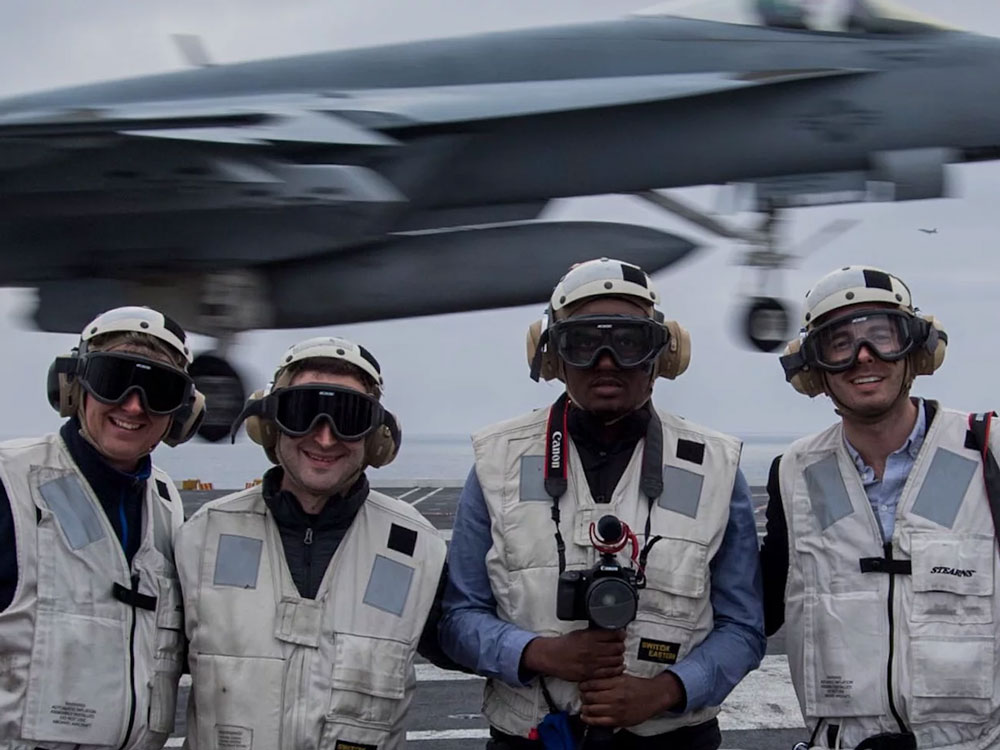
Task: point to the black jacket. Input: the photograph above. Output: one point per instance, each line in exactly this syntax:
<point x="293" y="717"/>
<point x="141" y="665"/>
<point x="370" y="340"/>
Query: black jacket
<point x="310" y="541"/>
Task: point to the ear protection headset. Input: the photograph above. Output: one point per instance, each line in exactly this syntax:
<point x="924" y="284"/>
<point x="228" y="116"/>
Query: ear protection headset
<point x="604" y="277"/>
<point x="65" y="394"/>
<point x="855" y="285"/>
<point x="381" y="445"/>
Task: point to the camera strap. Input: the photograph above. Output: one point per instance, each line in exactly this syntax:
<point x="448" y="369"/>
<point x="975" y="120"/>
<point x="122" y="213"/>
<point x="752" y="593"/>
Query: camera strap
<point x="556" y="459"/>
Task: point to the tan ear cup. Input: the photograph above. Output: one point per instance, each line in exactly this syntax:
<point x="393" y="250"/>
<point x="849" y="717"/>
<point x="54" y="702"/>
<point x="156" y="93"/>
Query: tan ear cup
<point x="64" y="393"/>
<point x="930" y="357"/>
<point x="262" y="431"/>
<point x="550" y="367"/>
<point x="70" y="396"/>
<point x="186" y="422"/>
<point x="676" y="355"/>
<point x="806" y="382"/>
<point x="383" y="444"/>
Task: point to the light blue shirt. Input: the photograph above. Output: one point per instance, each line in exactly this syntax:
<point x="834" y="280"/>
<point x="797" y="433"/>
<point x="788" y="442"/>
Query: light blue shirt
<point x="884" y="494"/>
<point x="471" y="633"/>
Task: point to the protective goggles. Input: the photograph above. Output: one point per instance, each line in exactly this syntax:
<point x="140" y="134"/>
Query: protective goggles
<point x="889" y="334"/>
<point x="298" y="410"/>
<point x="110" y="377"/>
<point x="631" y="342"/>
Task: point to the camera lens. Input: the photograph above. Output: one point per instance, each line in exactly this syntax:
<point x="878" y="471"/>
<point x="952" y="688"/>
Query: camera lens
<point x="611" y="603"/>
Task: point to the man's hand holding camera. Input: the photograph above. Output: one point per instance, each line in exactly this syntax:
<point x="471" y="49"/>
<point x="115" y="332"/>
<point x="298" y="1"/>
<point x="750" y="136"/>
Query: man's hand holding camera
<point x="578" y="655"/>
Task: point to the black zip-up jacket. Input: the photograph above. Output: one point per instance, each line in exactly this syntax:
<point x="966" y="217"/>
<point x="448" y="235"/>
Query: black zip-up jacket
<point x="310" y="541"/>
<point x="120" y="495"/>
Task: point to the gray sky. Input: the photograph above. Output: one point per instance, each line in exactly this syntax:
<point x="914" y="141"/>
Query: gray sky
<point x="455" y="373"/>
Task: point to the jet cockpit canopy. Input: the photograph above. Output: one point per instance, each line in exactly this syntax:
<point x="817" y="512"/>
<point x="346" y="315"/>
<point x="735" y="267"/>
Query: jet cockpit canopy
<point x="845" y="16"/>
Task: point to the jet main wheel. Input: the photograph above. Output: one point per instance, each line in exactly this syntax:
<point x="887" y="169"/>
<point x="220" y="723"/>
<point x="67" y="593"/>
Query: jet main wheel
<point x="767" y="324"/>
<point x="224" y="394"/>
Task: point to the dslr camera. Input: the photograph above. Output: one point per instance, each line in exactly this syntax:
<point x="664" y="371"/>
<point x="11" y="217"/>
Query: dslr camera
<point x="606" y="595"/>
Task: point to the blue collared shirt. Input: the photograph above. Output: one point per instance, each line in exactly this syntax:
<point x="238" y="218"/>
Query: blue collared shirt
<point x="884" y="494"/>
<point x="473" y="635"/>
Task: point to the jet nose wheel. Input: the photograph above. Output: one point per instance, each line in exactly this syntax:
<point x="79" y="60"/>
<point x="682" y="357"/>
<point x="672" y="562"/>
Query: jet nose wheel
<point x="224" y="394"/>
<point x="767" y="324"/>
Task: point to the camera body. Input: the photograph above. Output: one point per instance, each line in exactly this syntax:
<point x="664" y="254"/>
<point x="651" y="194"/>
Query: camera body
<point x="606" y="595"/>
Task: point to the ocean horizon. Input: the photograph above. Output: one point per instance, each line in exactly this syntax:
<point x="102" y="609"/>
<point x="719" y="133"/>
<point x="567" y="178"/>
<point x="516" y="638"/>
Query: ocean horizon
<point x="422" y="457"/>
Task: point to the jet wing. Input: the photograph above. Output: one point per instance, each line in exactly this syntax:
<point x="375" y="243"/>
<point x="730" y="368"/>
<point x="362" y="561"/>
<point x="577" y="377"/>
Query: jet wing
<point x="359" y="117"/>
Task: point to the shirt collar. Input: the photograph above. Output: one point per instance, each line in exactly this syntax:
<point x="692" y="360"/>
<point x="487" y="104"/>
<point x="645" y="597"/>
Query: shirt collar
<point x="911" y="446"/>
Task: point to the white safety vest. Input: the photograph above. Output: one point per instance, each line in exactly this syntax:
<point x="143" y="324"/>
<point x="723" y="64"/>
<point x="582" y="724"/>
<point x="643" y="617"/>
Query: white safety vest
<point x="923" y="643"/>
<point x="92" y="649"/>
<point x="272" y="670"/>
<point x="675" y="613"/>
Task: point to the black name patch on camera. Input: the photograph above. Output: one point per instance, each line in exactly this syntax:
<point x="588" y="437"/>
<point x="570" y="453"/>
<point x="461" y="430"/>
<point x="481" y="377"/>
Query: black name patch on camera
<point x="347" y="745"/>
<point x="661" y="652"/>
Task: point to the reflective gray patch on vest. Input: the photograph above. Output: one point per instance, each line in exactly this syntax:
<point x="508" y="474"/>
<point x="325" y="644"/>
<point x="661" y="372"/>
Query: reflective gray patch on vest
<point x="388" y="585"/>
<point x="237" y="561"/>
<point x="161" y="528"/>
<point x="533" y="479"/>
<point x="827" y="492"/>
<point x="74" y="510"/>
<point x="944" y="487"/>
<point x="681" y="491"/>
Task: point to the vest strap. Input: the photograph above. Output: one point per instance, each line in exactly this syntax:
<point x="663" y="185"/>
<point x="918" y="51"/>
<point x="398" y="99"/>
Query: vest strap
<point x="132" y="597"/>
<point x="889" y="741"/>
<point x="883" y="565"/>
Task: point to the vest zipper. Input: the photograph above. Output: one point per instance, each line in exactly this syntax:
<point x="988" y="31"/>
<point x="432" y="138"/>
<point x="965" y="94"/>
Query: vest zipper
<point x="131" y="657"/>
<point x="307" y="541"/>
<point x="892" y="640"/>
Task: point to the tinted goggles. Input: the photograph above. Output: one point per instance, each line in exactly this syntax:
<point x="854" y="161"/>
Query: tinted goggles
<point x="110" y="377"/>
<point x="631" y="342"/>
<point x="889" y="334"/>
<point x="299" y="409"/>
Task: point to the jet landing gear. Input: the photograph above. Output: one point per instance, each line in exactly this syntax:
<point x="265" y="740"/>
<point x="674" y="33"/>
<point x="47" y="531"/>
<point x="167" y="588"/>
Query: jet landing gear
<point x="224" y="394"/>
<point x="767" y="323"/>
<point x="765" y="319"/>
<point x="230" y="302"/>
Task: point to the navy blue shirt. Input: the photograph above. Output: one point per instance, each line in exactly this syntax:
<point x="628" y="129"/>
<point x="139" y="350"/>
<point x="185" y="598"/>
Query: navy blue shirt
<point x="119" y="493"/>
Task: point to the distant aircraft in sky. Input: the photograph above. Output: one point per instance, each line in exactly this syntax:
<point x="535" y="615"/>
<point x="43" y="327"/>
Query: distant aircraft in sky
<point x="929" y="231"/>
<point x="405" y="179"/>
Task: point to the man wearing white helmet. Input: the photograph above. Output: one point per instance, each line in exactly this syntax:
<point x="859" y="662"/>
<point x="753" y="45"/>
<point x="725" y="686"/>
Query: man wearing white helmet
<point x="657" y="667"/>
<point x="307" y="595"/>
<point x="90" y="608"/>
<point x="880" y="556"/>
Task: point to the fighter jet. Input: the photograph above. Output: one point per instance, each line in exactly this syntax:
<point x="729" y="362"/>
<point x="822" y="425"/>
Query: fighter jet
<point x="929" y="231"/>
<point x="391" y="181"/>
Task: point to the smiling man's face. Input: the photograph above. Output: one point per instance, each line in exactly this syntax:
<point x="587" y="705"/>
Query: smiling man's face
<point x="605" y="389"/>
<point x="320" y="464"/>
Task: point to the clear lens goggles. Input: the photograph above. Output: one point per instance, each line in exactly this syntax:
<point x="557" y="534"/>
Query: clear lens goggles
<point x="631" y="342"/>
<point x="889" y="334"/>
<point x="110" y="377"/>
<point x="298" y="410"/>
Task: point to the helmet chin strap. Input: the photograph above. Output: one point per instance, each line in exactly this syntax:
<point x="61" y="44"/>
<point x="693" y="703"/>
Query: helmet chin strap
<point x="844" y="411"/>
